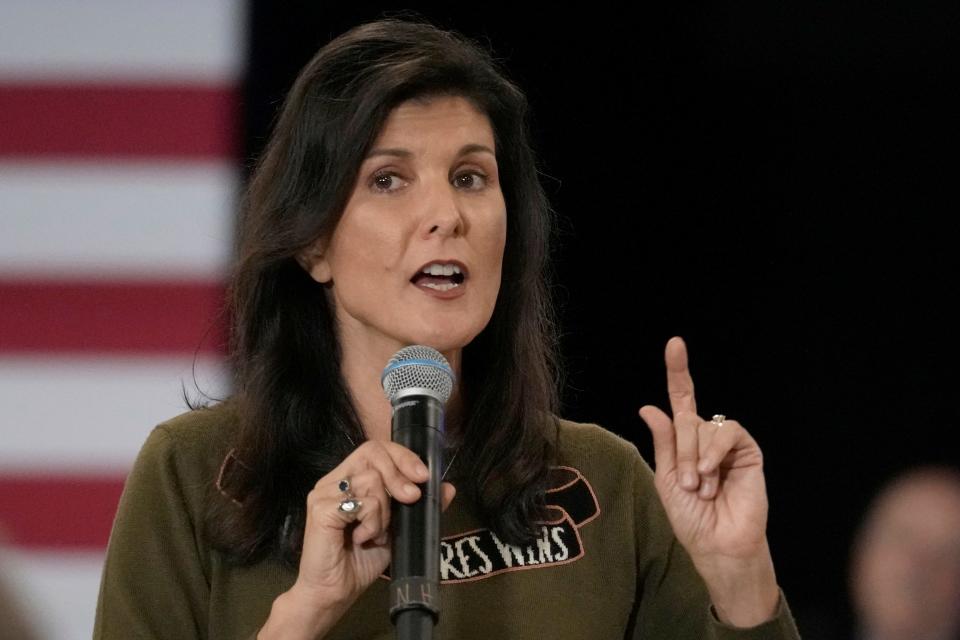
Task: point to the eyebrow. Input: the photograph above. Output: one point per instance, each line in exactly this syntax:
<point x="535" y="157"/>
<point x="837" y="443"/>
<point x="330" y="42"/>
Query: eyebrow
<point x="405" y="153"/>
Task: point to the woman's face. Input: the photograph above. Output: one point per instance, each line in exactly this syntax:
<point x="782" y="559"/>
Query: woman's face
<point x="416" y="257"/>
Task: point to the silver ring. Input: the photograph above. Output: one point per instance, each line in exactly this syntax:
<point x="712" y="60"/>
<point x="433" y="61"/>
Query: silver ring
<point x="718" y="419"/>
<point x="350" y="506"/>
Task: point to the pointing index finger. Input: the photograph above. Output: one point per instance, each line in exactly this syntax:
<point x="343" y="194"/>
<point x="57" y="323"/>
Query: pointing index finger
<point x="679" y="382"/>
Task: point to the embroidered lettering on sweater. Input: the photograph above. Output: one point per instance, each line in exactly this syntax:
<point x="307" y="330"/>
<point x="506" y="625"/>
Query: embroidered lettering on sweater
<point x="479" y="554"/>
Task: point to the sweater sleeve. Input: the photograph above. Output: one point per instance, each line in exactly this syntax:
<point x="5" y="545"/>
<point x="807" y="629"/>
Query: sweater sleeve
<point x="153" y="584"/>
<point x="673" y="601"/>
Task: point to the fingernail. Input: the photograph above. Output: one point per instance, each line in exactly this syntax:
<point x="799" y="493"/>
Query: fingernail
<point x="689" y="480"/>
<point x="704" y="466"/>
<point x="410" y="489"/>
<point x="422" y="469"/>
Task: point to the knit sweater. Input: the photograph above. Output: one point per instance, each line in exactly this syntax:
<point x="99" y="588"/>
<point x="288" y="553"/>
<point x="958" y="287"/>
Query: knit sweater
<point x="606" y="564"/>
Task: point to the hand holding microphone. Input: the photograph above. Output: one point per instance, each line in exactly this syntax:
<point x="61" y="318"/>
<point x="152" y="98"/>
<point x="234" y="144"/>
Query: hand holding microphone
<point x="346" y="543"/>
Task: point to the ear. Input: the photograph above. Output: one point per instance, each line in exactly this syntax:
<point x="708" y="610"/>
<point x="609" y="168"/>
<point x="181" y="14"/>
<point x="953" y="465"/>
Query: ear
<point x="314" y="261"/>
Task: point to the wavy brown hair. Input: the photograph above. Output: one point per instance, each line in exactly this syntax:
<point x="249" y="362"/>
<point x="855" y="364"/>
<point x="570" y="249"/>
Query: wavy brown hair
<point x="296" y="418"/>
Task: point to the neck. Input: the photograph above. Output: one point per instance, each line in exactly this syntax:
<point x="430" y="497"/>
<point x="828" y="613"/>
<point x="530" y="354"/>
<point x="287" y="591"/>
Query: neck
<point x="361" y="363"/>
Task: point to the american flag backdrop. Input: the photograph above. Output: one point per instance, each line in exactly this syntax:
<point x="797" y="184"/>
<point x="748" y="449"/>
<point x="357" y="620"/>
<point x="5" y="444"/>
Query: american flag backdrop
<point x="118" y="184"/>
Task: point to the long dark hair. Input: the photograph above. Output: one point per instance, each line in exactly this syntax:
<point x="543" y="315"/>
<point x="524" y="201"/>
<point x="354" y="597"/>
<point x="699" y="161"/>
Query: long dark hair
<point x="296" y="418"/>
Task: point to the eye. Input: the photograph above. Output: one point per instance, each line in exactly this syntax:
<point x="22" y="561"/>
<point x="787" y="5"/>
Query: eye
<point x="382" y="181"/>
<point x="474" y="178"/>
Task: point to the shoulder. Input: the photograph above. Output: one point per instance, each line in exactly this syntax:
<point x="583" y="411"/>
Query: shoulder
<point x="611" y="464"/>
<point x="585" y="443"/>
<point x="198" y="432"/>
<point x="200" y="427"/>
<point x="186" y="452"/>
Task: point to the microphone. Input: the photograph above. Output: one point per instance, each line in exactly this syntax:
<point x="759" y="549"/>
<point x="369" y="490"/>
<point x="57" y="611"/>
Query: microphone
<point x="418" y="382"/>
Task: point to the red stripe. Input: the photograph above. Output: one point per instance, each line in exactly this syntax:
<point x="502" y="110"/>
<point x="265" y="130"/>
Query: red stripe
<point x="103" y="120"/>
<point x="58" y="511"/>
<point x="111" y="317"/>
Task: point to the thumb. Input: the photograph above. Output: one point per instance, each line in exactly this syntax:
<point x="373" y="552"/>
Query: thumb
<point x="447" y="494"/>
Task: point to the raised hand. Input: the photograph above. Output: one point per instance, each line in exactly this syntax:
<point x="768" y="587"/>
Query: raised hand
<point x="709" y="476"/>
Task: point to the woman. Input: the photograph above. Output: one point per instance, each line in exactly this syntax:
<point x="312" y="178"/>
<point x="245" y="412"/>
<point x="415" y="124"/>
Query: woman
<point x="397" y="203"/>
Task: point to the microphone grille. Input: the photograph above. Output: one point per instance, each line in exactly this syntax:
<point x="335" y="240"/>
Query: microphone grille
<point x="418" y="367"/>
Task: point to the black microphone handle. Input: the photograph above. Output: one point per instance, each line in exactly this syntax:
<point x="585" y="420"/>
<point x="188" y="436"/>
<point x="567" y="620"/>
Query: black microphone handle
<point x="415" y="558"/>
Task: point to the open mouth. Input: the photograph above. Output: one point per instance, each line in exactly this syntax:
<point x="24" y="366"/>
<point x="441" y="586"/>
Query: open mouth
<point x="440" y="276"/>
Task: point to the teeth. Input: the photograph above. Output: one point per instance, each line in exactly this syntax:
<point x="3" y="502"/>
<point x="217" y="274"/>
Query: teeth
<point x="437" y="269"/>
<point x="446" y="286"/>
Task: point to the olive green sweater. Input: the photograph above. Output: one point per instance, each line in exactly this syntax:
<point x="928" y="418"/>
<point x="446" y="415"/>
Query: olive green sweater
<point x="606" y="565"/>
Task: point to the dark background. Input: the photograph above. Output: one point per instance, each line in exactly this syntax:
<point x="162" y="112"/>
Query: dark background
<point x="774" y="182"/>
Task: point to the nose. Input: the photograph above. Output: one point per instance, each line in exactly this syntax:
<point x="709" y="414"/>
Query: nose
<point x="443" y="215"/>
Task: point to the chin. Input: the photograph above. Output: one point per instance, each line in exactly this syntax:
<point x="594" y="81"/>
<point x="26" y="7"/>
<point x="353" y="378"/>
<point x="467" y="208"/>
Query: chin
<point x="447" y="332"/>
<point x="444" y="343"/>
<point x="445" y="339"/>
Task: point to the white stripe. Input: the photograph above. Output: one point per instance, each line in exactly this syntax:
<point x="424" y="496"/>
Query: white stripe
<point x="122" y="40"/>
<point x="57" y="592"/>
<point x="93" y="414"/>
<point x="81" y="220"/>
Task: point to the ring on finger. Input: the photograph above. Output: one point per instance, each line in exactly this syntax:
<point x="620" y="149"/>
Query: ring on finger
<point x="344" y="487"/>
<point x="350" y="506"/>
<point x="718" y="419"/>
